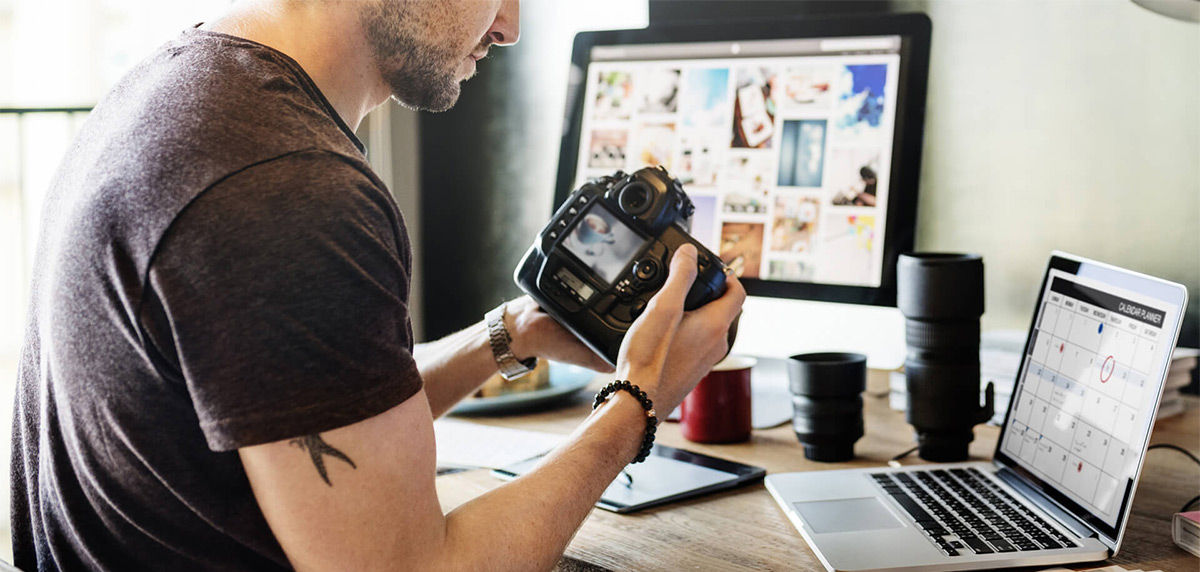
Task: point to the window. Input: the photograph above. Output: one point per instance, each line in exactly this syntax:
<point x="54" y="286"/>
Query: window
<point x="57" y="57"/>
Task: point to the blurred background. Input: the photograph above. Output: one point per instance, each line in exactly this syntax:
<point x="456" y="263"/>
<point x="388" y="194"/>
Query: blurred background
<point x="1070" y="125"/>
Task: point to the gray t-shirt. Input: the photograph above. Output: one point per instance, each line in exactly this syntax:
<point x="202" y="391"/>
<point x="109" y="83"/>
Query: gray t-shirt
<point x="218" y="268"/>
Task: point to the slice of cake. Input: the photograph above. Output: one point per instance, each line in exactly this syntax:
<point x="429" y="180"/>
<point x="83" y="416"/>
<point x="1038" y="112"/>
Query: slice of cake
<point x="537" y="379"/>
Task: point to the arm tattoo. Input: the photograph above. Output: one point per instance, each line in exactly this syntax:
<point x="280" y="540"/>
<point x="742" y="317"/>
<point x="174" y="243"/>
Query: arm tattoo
<point x="317" y="448"/>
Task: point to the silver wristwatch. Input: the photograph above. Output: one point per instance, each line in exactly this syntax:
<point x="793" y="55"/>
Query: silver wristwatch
<point x="510" y="367"/>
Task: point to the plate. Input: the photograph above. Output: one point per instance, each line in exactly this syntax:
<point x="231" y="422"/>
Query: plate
<point x="565" y="380"/>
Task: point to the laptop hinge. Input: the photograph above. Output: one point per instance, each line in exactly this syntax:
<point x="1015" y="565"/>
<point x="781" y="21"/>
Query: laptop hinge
<point x="1045" y="503"/>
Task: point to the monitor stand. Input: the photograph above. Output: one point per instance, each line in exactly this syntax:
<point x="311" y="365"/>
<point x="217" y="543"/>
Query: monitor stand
<point x="778" y="328"/>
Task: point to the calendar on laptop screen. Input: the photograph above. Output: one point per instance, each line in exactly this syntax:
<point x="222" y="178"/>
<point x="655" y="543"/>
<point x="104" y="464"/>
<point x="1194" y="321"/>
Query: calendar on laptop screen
<point x="1086" y="396"/>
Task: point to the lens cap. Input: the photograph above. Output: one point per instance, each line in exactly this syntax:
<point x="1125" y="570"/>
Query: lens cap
<point x="828" y="374"/>
<point x="936" y="285"/>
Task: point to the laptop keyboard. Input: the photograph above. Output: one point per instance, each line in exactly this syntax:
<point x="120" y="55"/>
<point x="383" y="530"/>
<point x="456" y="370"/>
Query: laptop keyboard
<point x="964" y="512"/>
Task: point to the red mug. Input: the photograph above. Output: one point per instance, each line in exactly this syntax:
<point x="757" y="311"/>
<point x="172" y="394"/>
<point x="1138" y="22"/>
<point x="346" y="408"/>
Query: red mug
<point x="718" y="409"/>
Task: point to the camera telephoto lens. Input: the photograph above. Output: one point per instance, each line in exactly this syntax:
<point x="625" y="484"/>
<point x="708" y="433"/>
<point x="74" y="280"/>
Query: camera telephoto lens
<point x="635" y="198"/>
<point x="827" y="403"/>
<point x="941" y="297"/>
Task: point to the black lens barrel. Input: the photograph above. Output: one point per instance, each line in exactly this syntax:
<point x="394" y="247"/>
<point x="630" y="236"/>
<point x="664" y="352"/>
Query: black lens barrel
<point x="941" y="296"/>
<point x="827" y="403"/>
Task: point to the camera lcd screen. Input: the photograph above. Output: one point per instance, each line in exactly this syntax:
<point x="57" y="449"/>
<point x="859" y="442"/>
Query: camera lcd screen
<point x="602" y="243"/>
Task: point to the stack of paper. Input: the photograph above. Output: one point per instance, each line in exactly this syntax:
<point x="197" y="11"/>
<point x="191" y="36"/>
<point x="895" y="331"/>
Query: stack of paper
<point x="1179" y="375"/>
<point x="1185" y="529"/>
<point x="462" y="444"/>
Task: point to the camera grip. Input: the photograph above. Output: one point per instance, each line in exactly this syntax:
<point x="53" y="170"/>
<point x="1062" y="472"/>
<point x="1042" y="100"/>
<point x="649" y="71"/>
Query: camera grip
<point x="708" y="286"/>
<point x="700" y="294"/>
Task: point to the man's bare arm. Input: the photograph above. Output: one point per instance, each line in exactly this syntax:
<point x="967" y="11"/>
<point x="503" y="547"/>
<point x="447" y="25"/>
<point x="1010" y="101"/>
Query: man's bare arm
<point x="454" y="366"/>
<point x="362" y="497"/>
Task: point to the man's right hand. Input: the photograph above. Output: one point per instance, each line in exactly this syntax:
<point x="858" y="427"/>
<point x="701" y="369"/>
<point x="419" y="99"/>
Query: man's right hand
<point x="668" y="350"/>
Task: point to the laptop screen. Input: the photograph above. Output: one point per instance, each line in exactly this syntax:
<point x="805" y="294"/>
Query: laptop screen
<point x="1089" y="385"/>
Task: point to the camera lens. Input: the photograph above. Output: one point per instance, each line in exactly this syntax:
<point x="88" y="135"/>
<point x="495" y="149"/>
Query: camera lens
<point x="941" y="297"/>
<point x="635" y="198"/>
<point x="827" y="403"/>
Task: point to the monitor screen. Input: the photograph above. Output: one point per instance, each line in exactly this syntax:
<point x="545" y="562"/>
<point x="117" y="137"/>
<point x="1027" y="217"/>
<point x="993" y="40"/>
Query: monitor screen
<point x="784" y="145"/>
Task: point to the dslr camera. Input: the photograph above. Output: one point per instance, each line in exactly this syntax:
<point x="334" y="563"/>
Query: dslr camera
<point x="606" y="252"/>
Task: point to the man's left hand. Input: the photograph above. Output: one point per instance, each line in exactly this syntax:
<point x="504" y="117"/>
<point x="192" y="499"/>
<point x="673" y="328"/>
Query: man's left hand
<point x="535" y="333"/>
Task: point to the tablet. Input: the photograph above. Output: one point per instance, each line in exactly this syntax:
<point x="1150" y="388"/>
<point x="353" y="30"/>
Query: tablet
<point x="667" y="475"/>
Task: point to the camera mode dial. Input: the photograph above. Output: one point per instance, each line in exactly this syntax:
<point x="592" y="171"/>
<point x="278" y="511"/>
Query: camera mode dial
<point x="647" y="270"/>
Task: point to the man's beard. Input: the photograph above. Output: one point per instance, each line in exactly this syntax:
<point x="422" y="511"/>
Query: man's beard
<point x="419" y="74"/>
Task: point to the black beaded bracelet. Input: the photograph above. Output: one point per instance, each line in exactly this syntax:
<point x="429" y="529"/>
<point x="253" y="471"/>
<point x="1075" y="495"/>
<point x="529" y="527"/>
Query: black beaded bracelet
<point x="651" y="417"/>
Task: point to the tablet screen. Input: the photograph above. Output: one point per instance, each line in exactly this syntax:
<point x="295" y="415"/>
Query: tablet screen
<point x="668" y="474"/>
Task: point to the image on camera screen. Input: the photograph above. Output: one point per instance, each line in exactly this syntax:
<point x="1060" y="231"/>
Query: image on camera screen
<point x="603" y="243"/>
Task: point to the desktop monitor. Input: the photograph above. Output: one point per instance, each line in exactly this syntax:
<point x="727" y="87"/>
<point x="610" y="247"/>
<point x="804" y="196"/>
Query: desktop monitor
<point x="799" y="142"/>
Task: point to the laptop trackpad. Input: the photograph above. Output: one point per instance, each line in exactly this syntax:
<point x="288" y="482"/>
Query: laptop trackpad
<point x="845" y="515"/>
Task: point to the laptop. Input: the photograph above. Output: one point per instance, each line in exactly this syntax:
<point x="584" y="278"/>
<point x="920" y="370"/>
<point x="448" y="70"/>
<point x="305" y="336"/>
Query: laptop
<point x="1060" y="485"/>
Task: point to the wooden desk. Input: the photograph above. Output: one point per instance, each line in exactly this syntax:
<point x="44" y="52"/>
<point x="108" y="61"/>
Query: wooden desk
<point x="744" y="529"/>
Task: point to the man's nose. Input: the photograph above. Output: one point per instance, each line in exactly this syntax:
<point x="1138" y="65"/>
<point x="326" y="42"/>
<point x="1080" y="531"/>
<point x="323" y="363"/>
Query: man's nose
<point x="506" y="28"/>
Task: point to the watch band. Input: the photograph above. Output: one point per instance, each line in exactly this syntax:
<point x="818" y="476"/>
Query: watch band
<point x="498" y="337"/>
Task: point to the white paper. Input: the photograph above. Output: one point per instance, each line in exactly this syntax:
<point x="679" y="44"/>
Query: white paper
<point x="466" y="444"/>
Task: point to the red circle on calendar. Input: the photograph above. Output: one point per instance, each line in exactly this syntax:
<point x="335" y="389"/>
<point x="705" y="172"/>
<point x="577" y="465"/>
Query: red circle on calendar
<point x="1106" y="370"/>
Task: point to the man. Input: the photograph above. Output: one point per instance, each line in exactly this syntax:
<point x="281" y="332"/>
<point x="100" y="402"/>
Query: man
<point x="219" y="370"/>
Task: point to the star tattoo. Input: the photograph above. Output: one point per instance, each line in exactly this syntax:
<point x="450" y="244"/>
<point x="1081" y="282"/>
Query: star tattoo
<point x="317" y="448"/>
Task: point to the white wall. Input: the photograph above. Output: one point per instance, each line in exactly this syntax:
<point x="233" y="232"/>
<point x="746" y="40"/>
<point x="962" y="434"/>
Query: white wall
<point x="406" y="185"/>
<point x="1071" y="125"/>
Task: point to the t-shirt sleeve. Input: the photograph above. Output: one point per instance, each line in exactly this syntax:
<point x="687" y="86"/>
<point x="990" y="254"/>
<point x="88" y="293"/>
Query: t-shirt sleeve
<point x="285" y="290"/>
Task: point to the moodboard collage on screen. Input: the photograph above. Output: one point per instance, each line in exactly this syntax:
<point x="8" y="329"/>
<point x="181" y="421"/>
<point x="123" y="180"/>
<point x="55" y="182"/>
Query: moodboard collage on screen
<point x="787" y="159"/>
